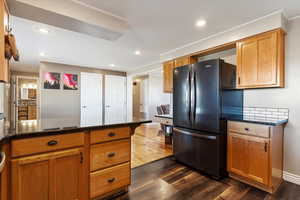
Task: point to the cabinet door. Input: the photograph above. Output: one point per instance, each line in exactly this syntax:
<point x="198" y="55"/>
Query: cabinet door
<point x="258" y="169"/>
<point x="67" y="170"/>
<point x="184" y="61"/>
<point x="51" y="176"/>
<point x="168" y="76"/>
<point x="237" y="161"/>
<point x="259" y="61"/>
<point x="31" y="178"/>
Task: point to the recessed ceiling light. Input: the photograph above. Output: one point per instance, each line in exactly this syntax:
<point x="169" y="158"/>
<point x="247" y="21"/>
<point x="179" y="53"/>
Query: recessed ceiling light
<point x="43" y="30"/>
<point x="137" y="52"/>
<point x="42" y="54"/>
<point x="112" y="65"/>
<point x="200" y="23"/>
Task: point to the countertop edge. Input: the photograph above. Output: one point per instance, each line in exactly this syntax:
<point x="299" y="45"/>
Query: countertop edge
<point x="278" y="123"/>
<point x="48" y="132"/>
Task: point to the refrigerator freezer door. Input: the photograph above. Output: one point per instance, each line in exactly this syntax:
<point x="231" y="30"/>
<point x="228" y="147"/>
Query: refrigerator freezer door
<point x="182" y="97"/>
<point x="200" y="150"/>
<point x="206" y="86"/>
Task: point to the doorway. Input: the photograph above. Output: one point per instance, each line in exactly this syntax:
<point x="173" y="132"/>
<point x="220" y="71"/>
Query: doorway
<point x="141" y="97"/>
<point x="25" y="98"/>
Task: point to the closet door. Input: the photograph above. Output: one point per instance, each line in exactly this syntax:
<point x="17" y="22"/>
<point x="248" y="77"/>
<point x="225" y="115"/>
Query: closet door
<point x="115" y="99"/>
<point x="91" y="99"/>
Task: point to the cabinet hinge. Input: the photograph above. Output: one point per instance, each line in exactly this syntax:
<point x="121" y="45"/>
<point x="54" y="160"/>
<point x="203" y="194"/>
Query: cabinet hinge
<point x="81" y="157"/>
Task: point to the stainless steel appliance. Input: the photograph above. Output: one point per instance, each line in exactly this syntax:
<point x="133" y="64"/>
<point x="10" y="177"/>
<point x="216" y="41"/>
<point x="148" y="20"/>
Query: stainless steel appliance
<point x="4" y="99"/>
<point x="2" y="161"/>
<point x="203" y="93"/>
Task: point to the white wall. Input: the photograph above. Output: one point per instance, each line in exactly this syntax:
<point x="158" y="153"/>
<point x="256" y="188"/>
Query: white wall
<point x="156" y="95"/>
<point x="288" y="97"/>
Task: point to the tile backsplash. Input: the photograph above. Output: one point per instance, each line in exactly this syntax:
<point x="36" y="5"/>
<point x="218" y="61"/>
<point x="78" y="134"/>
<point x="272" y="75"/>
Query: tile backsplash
<point x="261" y="112"/>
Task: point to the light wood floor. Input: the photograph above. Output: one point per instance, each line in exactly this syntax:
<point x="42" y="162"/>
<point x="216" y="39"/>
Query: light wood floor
<point x="147" y="145"/>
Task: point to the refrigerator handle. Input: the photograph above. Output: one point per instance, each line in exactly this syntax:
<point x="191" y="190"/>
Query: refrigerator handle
<point x="195" y="96"/>
<point x="208" y="137"/>
<point x="192" y="104"/>
<point x="190" y="96"/>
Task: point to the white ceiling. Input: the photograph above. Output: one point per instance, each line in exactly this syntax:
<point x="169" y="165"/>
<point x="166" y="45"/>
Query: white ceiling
<point x="155" y="27"/>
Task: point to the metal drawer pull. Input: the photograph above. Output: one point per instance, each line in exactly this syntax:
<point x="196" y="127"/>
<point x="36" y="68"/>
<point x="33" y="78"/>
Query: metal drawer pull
<point x="111" y="134"/>
<point x="266" y="147"/>
<point x="111" y="180"/>
<point x="112" y="154"/>
<point x="52" y="143"/>
<point x="2" y="163"/>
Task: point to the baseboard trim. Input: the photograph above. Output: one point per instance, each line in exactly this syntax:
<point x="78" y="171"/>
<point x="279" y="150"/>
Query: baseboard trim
<point x="293" y="178"/>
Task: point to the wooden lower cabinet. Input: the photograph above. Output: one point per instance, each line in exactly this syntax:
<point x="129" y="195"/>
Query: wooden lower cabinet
<point x="109" y="179"/>
<point x="254" y="159"/>
<point x="51" y="176"/>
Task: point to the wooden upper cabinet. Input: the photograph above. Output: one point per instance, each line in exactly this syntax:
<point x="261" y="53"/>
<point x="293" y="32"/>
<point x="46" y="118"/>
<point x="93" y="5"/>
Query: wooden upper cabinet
<point x="260" y="60"/>
<point x="50" y="176"/>
<point x="169" y="67"/>
<point x="4" y="21"/>
<point x="168" y="76"/>
<point x="184" y="61"/>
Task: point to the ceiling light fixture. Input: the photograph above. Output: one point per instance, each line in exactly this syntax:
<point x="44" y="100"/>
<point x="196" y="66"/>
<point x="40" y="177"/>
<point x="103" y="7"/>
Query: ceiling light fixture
<point x="42" y="54"/>
<point x="43" y="30"/>
<point x="137" y="52"/>
<point x="200" y="23"/>
<point x="112" y="65"/>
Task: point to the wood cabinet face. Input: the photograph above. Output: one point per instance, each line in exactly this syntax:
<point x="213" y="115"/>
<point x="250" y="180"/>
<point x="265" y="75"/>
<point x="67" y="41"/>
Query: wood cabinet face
<point x="237" y="154"/>
<point x="51" y="176"/>
<point x="168" y="76"/>
<point x="248" y="156"/>
<point x="260" y="60"/>
<point x="4" y="20"/>
<point x="30" y="179"/>
<point x="182" y="61"/>
<point x="258" y="160"/>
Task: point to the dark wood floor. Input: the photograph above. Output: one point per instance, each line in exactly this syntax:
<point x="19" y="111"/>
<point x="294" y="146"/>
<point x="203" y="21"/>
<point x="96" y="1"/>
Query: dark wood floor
<point x="167" y="180"/>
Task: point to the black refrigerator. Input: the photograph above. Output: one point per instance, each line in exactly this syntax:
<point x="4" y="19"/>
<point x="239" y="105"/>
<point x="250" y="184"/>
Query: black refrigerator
<point x="204" y="93"/>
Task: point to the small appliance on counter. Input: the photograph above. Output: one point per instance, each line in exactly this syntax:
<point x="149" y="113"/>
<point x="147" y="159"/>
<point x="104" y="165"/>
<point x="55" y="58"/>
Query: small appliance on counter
<point x="203" y="92"/>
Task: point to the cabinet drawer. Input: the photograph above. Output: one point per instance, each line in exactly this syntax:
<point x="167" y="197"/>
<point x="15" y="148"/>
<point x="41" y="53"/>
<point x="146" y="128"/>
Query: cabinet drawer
<point x="249" y="129"/>
<point x="109" y="179"/>
<point x="23" y="147"/>
<point x="109" y="154"/>
<point x="98" y="136"/>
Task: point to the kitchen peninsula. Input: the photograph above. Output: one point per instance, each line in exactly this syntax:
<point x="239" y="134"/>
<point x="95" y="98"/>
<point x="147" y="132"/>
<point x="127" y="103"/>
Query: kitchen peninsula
<point x="56" y="159"/>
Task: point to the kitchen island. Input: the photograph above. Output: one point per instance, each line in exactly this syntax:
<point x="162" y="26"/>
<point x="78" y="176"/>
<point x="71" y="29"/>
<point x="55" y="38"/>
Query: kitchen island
<point x="62" y="159"/>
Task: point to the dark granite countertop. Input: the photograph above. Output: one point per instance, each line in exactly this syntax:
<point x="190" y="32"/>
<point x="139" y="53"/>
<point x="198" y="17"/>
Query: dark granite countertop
<point x="246" y="118"/>
<point x="41" y="127"/>
<point x="256" y="120"/>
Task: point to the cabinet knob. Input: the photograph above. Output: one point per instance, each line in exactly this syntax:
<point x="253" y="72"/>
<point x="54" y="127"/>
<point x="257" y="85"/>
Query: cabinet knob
<point x="247" y="129"/>
<point x="52" y="143"/>
<point x="111" y="154"/>
<point x="111" y="134"/>
<point x="111" y="180"/>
